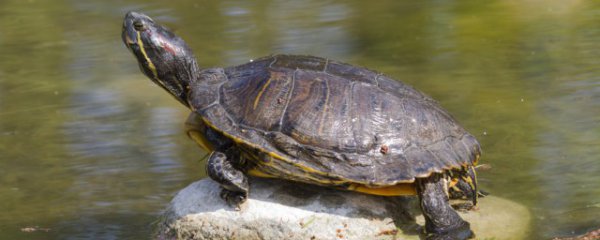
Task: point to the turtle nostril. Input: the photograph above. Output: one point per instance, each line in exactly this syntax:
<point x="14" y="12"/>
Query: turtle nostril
<point x="138" y="25"/>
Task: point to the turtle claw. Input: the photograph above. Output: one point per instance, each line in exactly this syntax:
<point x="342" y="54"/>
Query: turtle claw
<point x="233" y="199"/>
<point x="464" y="207"/>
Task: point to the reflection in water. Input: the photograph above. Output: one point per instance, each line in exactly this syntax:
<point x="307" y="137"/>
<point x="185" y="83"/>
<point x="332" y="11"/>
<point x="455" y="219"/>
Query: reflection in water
<point x="120" y="163"/>
<point x="285" y="27"/>
<point x="570" y="151"/>
<point x="92" y="130"/>
<point x="91" y="149"/>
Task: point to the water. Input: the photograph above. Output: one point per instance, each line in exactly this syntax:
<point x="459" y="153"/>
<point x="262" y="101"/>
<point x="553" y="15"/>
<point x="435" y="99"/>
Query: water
<point x="89" y="148"/>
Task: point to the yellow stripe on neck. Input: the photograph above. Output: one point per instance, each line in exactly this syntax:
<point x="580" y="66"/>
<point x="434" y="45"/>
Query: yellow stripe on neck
<point x="150" y="64"/>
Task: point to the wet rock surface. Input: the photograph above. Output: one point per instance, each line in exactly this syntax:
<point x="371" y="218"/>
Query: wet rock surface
<point x="279" y="209"/>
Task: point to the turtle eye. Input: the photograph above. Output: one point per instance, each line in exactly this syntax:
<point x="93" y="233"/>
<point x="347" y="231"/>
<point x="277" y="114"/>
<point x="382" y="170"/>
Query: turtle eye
<point x="139" y="25"/>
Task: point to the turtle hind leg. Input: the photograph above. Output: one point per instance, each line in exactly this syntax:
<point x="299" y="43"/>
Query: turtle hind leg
<point x="464" y="186"/>
<point x="234" y="182"/>
<point x="441" y="220"/>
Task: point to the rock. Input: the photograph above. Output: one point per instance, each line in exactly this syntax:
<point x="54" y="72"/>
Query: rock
<point x="279" y="209"/>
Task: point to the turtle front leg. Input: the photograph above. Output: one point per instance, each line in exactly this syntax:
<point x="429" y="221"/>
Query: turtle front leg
<point x="234" y="182"/>
<point x="441" y="221"/>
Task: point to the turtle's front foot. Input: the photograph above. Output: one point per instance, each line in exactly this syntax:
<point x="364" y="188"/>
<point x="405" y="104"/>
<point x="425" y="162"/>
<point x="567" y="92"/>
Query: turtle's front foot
<point x="234" y="182"/>
<point x="234" y="199"/>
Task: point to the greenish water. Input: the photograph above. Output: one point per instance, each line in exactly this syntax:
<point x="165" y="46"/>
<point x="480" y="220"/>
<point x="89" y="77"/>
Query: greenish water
<point x="89" y="148"/>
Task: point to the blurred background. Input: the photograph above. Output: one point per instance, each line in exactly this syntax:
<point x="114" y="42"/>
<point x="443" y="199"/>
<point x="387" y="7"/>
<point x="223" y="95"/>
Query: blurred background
<point x="90" y="148"/>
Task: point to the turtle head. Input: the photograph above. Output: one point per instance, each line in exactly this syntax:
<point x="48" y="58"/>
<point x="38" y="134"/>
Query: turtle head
<point x="163" y="56"/>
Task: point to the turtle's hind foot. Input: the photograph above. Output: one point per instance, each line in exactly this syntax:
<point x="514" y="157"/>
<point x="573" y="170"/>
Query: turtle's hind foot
<point x="234" y="199"/>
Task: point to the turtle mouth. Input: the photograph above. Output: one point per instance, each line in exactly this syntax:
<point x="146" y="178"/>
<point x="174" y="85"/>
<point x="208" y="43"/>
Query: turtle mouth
<point x="128" y="39"/>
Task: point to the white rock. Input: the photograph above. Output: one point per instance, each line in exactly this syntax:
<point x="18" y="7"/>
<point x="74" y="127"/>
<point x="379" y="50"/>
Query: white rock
<point x="283" y="210"/>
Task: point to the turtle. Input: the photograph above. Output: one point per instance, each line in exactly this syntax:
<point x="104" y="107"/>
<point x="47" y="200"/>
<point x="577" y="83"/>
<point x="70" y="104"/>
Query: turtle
<point x="317" y="121"/>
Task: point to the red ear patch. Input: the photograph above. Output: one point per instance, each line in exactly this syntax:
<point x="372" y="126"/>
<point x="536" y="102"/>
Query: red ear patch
<point x="167" y="46"/>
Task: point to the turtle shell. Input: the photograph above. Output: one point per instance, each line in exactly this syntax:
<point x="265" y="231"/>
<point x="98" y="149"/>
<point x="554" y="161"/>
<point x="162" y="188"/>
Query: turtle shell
<point x="324" y="122"/>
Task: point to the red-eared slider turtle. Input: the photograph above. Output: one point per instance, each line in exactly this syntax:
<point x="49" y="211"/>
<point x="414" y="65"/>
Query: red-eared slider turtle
<point x="313" y="120"/>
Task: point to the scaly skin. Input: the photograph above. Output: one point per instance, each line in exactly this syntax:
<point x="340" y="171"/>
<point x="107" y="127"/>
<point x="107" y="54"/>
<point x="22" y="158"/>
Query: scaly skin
<point x="441" y="220"/>
<point x="234" y="182"/>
